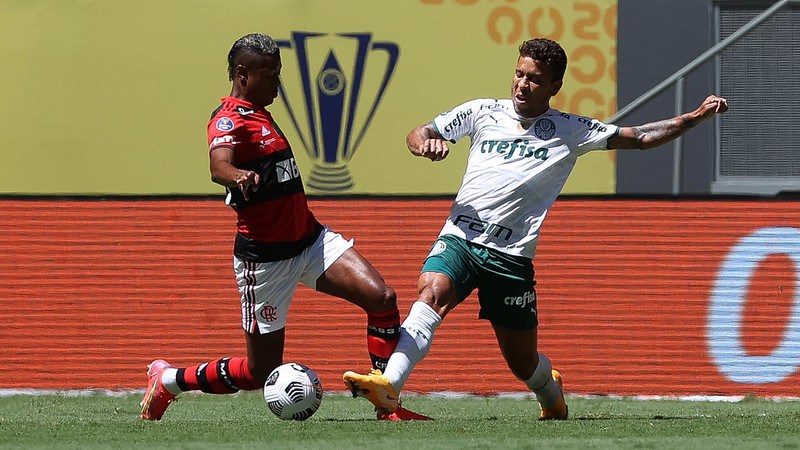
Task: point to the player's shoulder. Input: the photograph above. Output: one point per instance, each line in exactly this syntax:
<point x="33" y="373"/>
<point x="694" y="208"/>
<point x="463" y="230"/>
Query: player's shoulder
<point x="231" y="105"/>
<point x="481" y="108"/>
<point x="555" y="114"/>
<point x="482" y="104"/>
<point x="489" y="105"/>
<point x="231" y="113"/>
<point x="223" y="117"/>
<point x="575" y="120"/>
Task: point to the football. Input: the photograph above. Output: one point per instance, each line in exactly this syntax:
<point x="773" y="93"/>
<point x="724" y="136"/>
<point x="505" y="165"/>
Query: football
<point x="293" y="392"/>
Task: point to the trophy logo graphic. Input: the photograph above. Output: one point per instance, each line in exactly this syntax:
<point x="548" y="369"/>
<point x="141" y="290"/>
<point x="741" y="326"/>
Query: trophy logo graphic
<point x="341" y="81"/>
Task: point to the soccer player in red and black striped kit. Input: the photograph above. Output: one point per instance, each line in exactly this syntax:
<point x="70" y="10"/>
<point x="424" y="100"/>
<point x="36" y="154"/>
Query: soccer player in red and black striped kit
<point x="278" y="244"/>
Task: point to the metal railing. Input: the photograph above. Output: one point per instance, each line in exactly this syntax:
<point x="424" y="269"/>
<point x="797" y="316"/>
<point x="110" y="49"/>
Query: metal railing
<point x="678" y="77"/>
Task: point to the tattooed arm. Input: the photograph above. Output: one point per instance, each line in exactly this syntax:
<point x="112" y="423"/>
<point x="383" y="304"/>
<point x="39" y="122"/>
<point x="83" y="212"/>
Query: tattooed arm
<point x="657" y="133"/>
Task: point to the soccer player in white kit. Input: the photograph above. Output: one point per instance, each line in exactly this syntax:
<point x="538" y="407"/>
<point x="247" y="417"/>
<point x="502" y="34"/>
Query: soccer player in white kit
<point x="521" y="154"/>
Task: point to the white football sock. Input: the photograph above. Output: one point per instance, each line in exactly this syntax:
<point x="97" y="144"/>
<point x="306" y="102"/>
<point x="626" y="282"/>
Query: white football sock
<point x="542" y="383"/>
<point x="416" y="335"/>
<point x="169" y="380"/>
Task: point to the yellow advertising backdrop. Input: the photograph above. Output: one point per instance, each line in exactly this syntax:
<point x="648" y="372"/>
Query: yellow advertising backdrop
<point x="106" y="97"/>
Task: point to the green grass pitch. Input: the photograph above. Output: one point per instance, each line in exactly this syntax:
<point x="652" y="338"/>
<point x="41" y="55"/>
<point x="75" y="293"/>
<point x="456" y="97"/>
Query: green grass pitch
<point x="243" y="421"/>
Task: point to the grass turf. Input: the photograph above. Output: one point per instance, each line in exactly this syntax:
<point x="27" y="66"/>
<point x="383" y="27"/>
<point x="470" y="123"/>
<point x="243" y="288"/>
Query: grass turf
<point x="243" y="421"/>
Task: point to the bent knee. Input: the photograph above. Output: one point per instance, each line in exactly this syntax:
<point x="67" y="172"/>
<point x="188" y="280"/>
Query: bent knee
<point x="386" y="299"/>
<point x="437" y="291"/>
<point x="378" y="300"/>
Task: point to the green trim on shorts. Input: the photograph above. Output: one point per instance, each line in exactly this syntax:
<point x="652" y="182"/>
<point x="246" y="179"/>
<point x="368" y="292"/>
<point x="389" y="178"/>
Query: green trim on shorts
<point x="505" y="283"/>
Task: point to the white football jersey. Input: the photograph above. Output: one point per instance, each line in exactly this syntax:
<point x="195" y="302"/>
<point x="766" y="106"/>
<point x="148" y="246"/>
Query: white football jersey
<point x="516" y="168"/>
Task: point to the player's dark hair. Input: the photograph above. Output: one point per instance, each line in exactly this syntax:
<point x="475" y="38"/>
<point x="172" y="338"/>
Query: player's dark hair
<point x="246" y="48"/>
<point x="547" y="52"/>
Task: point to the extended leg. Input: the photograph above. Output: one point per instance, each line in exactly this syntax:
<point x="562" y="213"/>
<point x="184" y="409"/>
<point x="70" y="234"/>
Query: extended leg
<point x="534" y="369"/>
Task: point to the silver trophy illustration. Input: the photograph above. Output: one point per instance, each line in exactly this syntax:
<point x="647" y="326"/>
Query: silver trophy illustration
<point x="342" y="79"/>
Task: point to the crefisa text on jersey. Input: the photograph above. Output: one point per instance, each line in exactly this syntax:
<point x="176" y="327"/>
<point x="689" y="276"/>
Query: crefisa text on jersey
<point x="461" y="115"/>
<point x="591" y="124"/>
<point x="524" y="151"/>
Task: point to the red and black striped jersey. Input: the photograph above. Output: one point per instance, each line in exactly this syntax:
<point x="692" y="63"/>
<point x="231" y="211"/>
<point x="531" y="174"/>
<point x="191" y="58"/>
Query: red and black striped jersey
<point x="275" y="223"/>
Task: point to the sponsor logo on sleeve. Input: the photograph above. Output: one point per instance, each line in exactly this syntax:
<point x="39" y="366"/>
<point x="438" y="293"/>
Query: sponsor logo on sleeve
<point x="457" y="121"/>
<point x="224" y="124"/>
<point x="593" y="125"/>
<point x="219" y="140"/>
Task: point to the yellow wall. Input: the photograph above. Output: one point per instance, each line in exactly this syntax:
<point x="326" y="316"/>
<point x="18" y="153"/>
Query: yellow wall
<point x="113" y="97"/>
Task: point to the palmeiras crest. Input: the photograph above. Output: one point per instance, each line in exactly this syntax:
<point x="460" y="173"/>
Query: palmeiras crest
<point x="341" y="79"/>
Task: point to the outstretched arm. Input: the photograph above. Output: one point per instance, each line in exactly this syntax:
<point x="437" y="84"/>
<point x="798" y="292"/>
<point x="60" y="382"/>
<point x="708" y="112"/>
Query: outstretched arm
<point x="225" y="173"/>
<point x="425" y="141"/>
<point x="654" y="134"/>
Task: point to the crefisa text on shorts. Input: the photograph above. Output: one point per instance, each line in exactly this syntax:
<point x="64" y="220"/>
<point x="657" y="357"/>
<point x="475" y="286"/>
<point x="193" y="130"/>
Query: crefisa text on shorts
<point x="521" y="301"/>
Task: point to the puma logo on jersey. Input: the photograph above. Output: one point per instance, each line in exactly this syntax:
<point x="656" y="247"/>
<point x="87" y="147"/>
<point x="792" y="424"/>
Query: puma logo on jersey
<point x="287" y="170"/>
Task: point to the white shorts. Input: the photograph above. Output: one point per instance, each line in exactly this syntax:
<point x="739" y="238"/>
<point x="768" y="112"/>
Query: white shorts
<point x="267" y="288"/>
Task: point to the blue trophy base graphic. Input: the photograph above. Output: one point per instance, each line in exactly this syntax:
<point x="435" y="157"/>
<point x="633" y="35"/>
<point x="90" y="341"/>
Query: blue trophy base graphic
<point x="330" y="178"/>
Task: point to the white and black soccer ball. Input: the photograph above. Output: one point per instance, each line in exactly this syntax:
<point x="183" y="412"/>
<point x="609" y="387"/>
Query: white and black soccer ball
<point x="293" y="392"/>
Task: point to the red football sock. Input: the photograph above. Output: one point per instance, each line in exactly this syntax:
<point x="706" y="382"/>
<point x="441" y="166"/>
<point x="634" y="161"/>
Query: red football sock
<point x="221" y="376"/>
<point x="383" y="333"/>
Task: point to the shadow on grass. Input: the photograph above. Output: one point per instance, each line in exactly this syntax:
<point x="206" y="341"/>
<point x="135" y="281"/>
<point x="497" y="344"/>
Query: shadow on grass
<point x="656" y="417"/>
